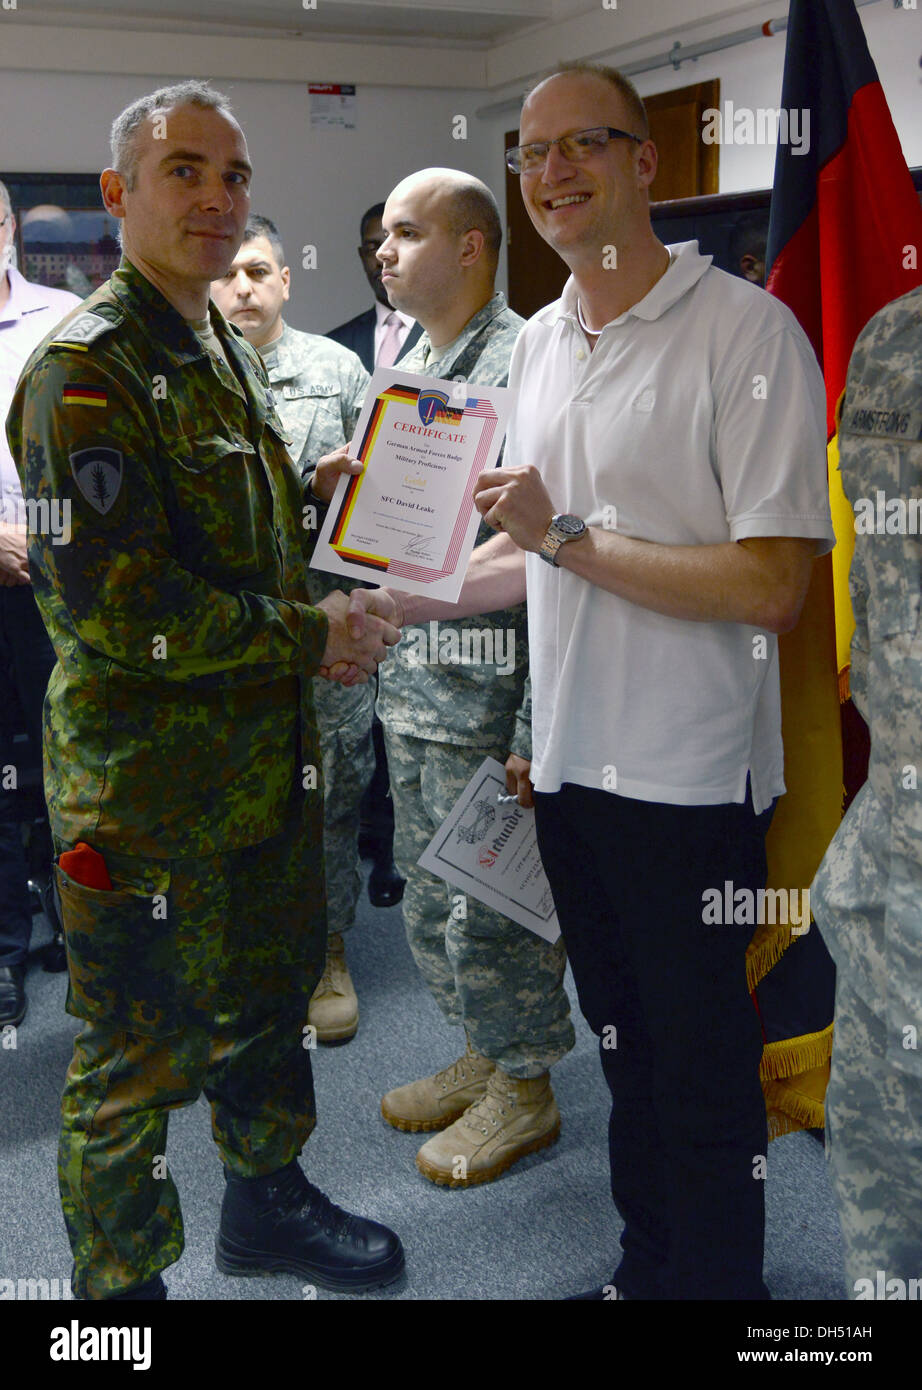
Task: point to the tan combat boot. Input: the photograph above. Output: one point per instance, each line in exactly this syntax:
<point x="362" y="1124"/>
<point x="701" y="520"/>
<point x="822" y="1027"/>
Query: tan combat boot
<point x="334" y="1009"/>
<point x="514" y="1117"/>
<point x="437" y="1100"/>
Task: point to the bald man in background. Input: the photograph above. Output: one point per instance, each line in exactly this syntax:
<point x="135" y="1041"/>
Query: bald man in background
<point x="500" y="981"/>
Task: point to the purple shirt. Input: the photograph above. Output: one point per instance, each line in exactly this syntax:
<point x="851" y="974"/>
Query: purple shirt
<point x="26" y="318"/>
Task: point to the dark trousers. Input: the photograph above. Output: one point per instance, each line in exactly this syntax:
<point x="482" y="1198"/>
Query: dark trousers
<point x="680" y="1041"/>
<point x="26" y="661"/>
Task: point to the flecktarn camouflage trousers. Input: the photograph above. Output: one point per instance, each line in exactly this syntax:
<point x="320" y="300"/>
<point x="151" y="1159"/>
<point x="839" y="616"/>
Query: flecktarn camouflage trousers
<point x="191" y="975"/>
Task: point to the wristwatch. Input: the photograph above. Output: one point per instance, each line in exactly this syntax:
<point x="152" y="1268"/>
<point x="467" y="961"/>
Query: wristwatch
<point x="564" y="527"/>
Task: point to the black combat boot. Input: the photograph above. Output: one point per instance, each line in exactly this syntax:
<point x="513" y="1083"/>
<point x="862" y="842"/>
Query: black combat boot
<point x="282" y="1223"/>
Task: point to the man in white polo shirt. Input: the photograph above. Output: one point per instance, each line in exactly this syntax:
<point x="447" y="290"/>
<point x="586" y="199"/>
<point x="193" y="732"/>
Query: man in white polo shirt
<point x="665" y="476"/>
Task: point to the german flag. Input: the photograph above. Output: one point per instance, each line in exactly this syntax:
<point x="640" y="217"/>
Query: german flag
<point x="75" y="394"/>
<point x="845" y="237"/>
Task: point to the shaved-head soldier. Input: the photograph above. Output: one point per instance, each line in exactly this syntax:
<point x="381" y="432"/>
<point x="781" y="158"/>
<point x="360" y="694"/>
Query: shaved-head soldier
<point x="502" y="983"/>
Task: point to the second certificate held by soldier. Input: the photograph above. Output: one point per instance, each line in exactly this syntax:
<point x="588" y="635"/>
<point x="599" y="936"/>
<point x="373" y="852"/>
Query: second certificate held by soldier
<point x="409" y="518"/>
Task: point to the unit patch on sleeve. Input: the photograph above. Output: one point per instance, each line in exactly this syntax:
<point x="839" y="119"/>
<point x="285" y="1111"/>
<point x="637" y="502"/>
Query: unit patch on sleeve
<point x="98" y="473"/>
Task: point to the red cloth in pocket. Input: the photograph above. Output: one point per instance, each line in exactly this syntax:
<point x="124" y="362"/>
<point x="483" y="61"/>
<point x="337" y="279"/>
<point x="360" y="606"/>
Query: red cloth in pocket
<point x="85" y="865"/>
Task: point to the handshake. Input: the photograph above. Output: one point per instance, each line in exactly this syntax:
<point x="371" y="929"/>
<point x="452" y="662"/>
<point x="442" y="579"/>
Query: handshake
<point x="366" y="622"/>
<point x="363" y="625"/>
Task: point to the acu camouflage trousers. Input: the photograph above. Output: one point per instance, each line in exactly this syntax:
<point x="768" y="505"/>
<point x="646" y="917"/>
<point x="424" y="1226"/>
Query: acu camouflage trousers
<point x="208" y="993"/>
<point x="348" y="755"/>
<point x="874" y="1148"/>
<point x="501" y="981"/>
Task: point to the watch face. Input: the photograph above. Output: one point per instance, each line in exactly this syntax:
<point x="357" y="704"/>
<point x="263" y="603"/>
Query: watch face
<point x="569" y="524"/>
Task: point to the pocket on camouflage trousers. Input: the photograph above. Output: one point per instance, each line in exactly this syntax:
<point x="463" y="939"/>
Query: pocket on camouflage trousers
<point x="122" y="955"/>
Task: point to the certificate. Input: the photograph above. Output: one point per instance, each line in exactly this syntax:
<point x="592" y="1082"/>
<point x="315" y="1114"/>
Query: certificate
<point x="488" y="847"/>
<point x="409" y="520"/>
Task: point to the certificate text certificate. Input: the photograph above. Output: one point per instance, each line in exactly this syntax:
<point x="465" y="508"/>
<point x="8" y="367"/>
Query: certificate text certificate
<point x="409" y="520"/>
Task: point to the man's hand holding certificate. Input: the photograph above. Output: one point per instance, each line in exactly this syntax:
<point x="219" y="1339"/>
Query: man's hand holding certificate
<point x="408" y="518"/>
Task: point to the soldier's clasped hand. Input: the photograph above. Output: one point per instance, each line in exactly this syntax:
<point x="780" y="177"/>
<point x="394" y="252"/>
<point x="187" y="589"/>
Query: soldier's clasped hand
<point x="362" y="627"/>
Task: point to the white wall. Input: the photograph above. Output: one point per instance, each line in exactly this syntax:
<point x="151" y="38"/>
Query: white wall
<point x="314" y="184"/>
<point x="750" y="75"/>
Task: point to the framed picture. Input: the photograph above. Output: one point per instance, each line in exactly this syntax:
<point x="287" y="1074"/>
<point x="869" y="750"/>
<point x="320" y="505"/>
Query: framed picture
<point x="64" y="236"/>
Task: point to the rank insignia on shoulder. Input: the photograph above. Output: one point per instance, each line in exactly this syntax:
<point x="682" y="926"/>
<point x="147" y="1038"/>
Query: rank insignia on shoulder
<point x="75" y="394"/>
<point x="98" y="473"/>
<point x="82" y="331"/>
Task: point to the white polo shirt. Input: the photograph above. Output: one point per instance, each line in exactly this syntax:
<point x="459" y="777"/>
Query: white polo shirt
<point x="700" y="417"/>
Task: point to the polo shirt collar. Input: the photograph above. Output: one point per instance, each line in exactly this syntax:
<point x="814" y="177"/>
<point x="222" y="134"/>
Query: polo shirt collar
<point x="684" y="273"/>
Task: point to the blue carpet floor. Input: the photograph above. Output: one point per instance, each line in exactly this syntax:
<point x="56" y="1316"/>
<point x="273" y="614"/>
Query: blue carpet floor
<point x="545" y="1229"/>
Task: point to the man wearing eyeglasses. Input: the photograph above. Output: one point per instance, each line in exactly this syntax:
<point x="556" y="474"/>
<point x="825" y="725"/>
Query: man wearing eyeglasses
<point x="665" y="479"/>
<point x="27" y="313"/>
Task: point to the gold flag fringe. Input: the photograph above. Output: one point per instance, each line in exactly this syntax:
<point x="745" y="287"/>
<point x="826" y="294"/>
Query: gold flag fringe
<point x="793" y="1105"/>
<point x="791" y="1056"/>
<point x="765" y="949"/>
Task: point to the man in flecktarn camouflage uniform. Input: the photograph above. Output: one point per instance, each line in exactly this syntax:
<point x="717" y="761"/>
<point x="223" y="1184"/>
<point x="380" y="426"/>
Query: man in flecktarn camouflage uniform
<point x="319" y="388"/>
<point x="441" y="718"/>
<point x="867" y="895"/>
<point x="181" y="747"/>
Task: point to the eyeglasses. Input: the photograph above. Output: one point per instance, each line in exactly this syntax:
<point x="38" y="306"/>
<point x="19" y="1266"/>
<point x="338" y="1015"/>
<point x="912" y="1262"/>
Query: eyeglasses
<point x="528" y="159"/>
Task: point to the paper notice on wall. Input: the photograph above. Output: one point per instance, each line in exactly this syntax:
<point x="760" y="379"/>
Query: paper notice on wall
<point x="332" y="105"/>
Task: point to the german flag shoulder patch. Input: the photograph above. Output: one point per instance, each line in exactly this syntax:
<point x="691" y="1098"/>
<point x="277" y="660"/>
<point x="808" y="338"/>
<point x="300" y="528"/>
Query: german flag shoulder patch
<point x="76" y="394"/>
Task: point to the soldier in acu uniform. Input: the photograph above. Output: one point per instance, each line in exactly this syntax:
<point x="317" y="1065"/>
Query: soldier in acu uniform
<point x="867" y="895"/>
<point x="319" y="388"/>
<point x="501" y="981"/>
<point x="179" y="732"/>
